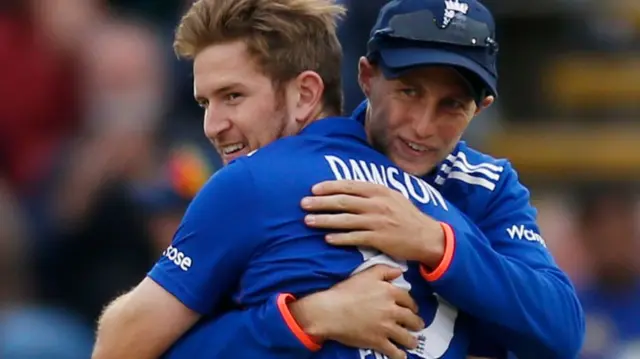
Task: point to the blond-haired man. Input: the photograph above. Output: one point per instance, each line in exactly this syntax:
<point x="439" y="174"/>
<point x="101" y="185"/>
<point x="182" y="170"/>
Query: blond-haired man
<point x="263" y="70"/>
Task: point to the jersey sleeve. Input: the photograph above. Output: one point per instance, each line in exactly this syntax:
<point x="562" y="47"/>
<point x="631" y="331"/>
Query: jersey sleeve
<point x="213" y="244"/>
<point x="525" y="301"/>
<point x="263" y="331"/>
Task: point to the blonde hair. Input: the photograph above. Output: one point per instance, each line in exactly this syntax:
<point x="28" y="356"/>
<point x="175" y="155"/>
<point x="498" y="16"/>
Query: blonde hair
<point x="285" y="37"/>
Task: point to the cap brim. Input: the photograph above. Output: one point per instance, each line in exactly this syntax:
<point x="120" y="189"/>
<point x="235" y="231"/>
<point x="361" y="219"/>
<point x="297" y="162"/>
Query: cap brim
<point x="397" y="60"/>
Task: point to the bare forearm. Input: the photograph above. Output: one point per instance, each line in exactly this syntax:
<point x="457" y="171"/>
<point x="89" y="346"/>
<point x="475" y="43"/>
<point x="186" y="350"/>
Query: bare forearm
<point x="142" y="324"/>
<point x="119" y="336"/>
<point x="432" y="243"/>
<point x="107" y="326"/>
<point x="115" y="337"/>
<point x="304" y="315"/>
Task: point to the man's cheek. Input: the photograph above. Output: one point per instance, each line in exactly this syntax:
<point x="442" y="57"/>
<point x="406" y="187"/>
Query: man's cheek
<point x="451" y="133"/>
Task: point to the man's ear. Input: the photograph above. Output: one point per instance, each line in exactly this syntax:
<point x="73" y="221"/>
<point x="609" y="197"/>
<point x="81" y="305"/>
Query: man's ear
<point x="366" y="72"/>
<point x="488" y="101"/>
<point x="309" y="88"/>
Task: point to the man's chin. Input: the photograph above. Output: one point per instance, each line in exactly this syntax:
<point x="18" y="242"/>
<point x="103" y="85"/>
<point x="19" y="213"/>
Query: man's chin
<point x="423" y="172"/>
<point x="413" y="168"/>
<point x="416" y="170"/>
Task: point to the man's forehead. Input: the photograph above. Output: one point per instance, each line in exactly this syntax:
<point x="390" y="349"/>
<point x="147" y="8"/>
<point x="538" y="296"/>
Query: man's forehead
<point x="225" y="58"/>
<point x="214" y="73"/>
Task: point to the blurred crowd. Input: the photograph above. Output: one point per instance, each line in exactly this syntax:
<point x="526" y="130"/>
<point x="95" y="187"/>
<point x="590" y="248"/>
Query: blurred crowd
<point x="101" y="149"/>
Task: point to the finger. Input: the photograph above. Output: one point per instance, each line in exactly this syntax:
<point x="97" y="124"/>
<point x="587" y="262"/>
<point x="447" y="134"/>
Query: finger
<point x="340" y="221"/>
<point x="404" y="299"/>
<point x="402" y="336"/>
<point x="389" y="349"/>
<point x="337" y="203"/>
<point x="408" y="319"/>
<point x="381" y="272"/>
<point x="356" y="238"/>
<point x="355" y="188"/>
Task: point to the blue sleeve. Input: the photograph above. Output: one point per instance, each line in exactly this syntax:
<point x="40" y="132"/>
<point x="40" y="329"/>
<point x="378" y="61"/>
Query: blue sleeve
<point x="257" y="332"/>
<point x="523" y="299"/>
<point x="213" y="244"/>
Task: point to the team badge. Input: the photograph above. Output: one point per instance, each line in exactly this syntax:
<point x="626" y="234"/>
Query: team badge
<point x="452" y="8"/>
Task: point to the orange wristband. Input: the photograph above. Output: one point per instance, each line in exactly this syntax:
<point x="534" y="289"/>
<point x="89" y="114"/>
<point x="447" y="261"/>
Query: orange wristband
<point x="308" y="341"/>
<point x="449" y="247"/>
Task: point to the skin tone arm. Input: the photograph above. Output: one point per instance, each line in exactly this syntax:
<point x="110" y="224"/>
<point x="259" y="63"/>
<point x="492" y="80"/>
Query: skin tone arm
<point x="142" y="324"/>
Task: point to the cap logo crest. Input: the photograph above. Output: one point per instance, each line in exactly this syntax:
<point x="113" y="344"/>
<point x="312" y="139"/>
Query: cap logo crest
<point x="452" y="8"/>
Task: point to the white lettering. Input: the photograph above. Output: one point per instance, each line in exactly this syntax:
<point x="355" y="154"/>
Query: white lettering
<point x="357" y="171"/>
<point x="178" y="258"/>
<point x="436" y="197"/>
<point x="334" y="162"/>
<point x="412" y="190"/>
<point x="395" y="183"/>
<point x="379" y="175"/>
<point x="365" y="170"/>
<point x="186" y="264"/>
<point x="520" y="232"/>
<point x="516" y="231"/>
<point x="390" y="177"/>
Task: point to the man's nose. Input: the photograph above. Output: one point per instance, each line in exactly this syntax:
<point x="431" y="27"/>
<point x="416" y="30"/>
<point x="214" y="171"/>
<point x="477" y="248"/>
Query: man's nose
<point x="215" y="122"/>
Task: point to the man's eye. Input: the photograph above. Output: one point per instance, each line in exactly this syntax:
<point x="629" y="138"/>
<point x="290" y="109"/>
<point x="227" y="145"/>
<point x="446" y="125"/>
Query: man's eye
<point x="203" y="104"/>
<point x="233" y="96"/>
<point x="455" y="104"/>
<point x="411" y="92"/>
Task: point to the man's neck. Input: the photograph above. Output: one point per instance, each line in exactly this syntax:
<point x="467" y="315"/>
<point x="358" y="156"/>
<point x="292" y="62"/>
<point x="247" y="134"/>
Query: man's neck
<point x="315" y="116"/>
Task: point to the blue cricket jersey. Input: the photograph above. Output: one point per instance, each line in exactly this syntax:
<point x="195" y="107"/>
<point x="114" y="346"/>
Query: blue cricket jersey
<point x="500" y="272"/>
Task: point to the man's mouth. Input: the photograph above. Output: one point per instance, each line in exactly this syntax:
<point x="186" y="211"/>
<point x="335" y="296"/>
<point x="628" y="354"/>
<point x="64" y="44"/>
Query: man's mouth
<point x="416" y="147"/>
<point x="232" y="148"/>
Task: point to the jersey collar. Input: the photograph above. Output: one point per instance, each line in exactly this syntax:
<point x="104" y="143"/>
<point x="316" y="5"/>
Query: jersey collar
<point x="336" y="127"/>
<point x="360" y="113"/>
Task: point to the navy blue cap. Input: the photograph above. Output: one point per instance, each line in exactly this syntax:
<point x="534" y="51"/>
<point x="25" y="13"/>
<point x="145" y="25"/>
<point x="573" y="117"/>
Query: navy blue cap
<point x="457" y="33"/>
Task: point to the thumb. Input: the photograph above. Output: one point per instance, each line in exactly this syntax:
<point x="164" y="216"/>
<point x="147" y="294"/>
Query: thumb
<point x="385" y="272"/>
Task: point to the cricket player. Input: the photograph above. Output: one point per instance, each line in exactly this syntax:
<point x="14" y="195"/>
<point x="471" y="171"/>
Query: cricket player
<point x="263" y="69"/>
<point x="486" y="189"/>
<point x="445" y="345"/>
